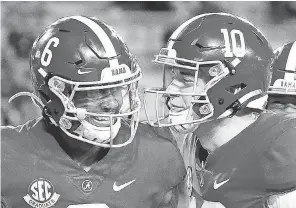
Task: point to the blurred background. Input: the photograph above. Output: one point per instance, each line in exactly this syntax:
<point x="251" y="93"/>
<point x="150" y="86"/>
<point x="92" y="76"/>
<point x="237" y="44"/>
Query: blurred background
<point x="145" y="26"/>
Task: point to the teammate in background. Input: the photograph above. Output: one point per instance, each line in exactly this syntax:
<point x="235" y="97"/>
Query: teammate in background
<point x="282" y="89"/>
<point x="217" y="69"/>
<point x="88" y="150"/>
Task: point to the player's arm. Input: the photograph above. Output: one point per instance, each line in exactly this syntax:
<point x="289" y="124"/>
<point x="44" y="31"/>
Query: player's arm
<point x="287" y="200"/>
<point x="280" y="170"/>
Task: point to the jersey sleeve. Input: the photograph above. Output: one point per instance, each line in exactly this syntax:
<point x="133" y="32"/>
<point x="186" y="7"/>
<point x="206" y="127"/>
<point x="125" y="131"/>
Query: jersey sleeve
<point x="279" y="162"/>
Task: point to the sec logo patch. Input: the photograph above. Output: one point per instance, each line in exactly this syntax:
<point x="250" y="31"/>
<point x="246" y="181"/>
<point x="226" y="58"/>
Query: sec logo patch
<point x="41" y="194"/>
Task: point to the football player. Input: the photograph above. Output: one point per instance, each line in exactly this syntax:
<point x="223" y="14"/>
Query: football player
<point x="88" y="150"/>
<point x="282" y="89"/>
<point x="217" y="69"/>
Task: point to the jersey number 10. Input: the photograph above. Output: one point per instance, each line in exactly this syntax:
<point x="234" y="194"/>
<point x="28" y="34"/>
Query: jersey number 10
<point x="237" y="50"/>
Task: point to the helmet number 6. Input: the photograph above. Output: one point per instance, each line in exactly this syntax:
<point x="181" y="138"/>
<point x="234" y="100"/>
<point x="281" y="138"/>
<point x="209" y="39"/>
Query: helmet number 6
<point x="237" y="50"/>
<point x="47" y="54"/>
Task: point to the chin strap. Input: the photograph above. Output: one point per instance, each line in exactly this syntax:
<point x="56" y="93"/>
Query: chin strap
<point x="34" y="98"/>
<point x="258" y="103"/>
<point x="183" y="116"/>
<point x="99" y="134"/>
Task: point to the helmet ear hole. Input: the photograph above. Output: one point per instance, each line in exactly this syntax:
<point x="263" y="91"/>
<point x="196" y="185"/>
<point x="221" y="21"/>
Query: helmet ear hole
<point x="234" y="89"/>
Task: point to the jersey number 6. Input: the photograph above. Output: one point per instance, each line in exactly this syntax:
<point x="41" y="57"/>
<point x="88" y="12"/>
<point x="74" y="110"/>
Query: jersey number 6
<point x="47" y="54"/>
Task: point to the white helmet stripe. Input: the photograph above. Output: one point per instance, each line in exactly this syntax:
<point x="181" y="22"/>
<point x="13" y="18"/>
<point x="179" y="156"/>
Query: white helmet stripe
<point x="291" y="63"/>
<point x="181" y="28"/>
<point x="105" y="40"/>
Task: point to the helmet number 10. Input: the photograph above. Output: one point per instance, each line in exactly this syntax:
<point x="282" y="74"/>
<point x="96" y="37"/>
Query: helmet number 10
<point x="237" y="50"/>
<point x="47" y="54"/>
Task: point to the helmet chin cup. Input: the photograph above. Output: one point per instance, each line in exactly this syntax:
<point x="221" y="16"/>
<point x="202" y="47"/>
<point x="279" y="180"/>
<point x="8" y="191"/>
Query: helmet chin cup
<point x="179" y="117"/>
<point x="99" y="134"/>
<point x="92" y="132"/>
<point x="182" y="117"/>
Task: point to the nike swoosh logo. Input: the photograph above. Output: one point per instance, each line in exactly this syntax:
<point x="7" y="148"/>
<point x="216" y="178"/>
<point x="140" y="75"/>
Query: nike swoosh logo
<point x="118" y="188"/>
<point x="83" y="72"/>
<point x="217" y="185"/>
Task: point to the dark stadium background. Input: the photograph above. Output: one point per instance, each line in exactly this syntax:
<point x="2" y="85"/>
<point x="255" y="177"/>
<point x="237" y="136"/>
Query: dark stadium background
<point x="143" y="25"/>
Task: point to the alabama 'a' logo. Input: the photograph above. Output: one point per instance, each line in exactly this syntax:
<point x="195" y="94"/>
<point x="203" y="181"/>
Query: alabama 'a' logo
<point x="41" y="194"/>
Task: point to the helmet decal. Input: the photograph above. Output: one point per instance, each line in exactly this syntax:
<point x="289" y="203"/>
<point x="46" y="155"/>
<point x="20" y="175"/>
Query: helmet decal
<point x="283" y="80"/>
<point x="105" y="40"/>
<point x="291" y="64"/>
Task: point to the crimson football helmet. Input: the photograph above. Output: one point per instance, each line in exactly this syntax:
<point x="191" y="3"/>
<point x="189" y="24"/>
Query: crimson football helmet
<point x="283" y="80"/>
<point x="224" y="63"/>
<point x="78" y="64"/>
